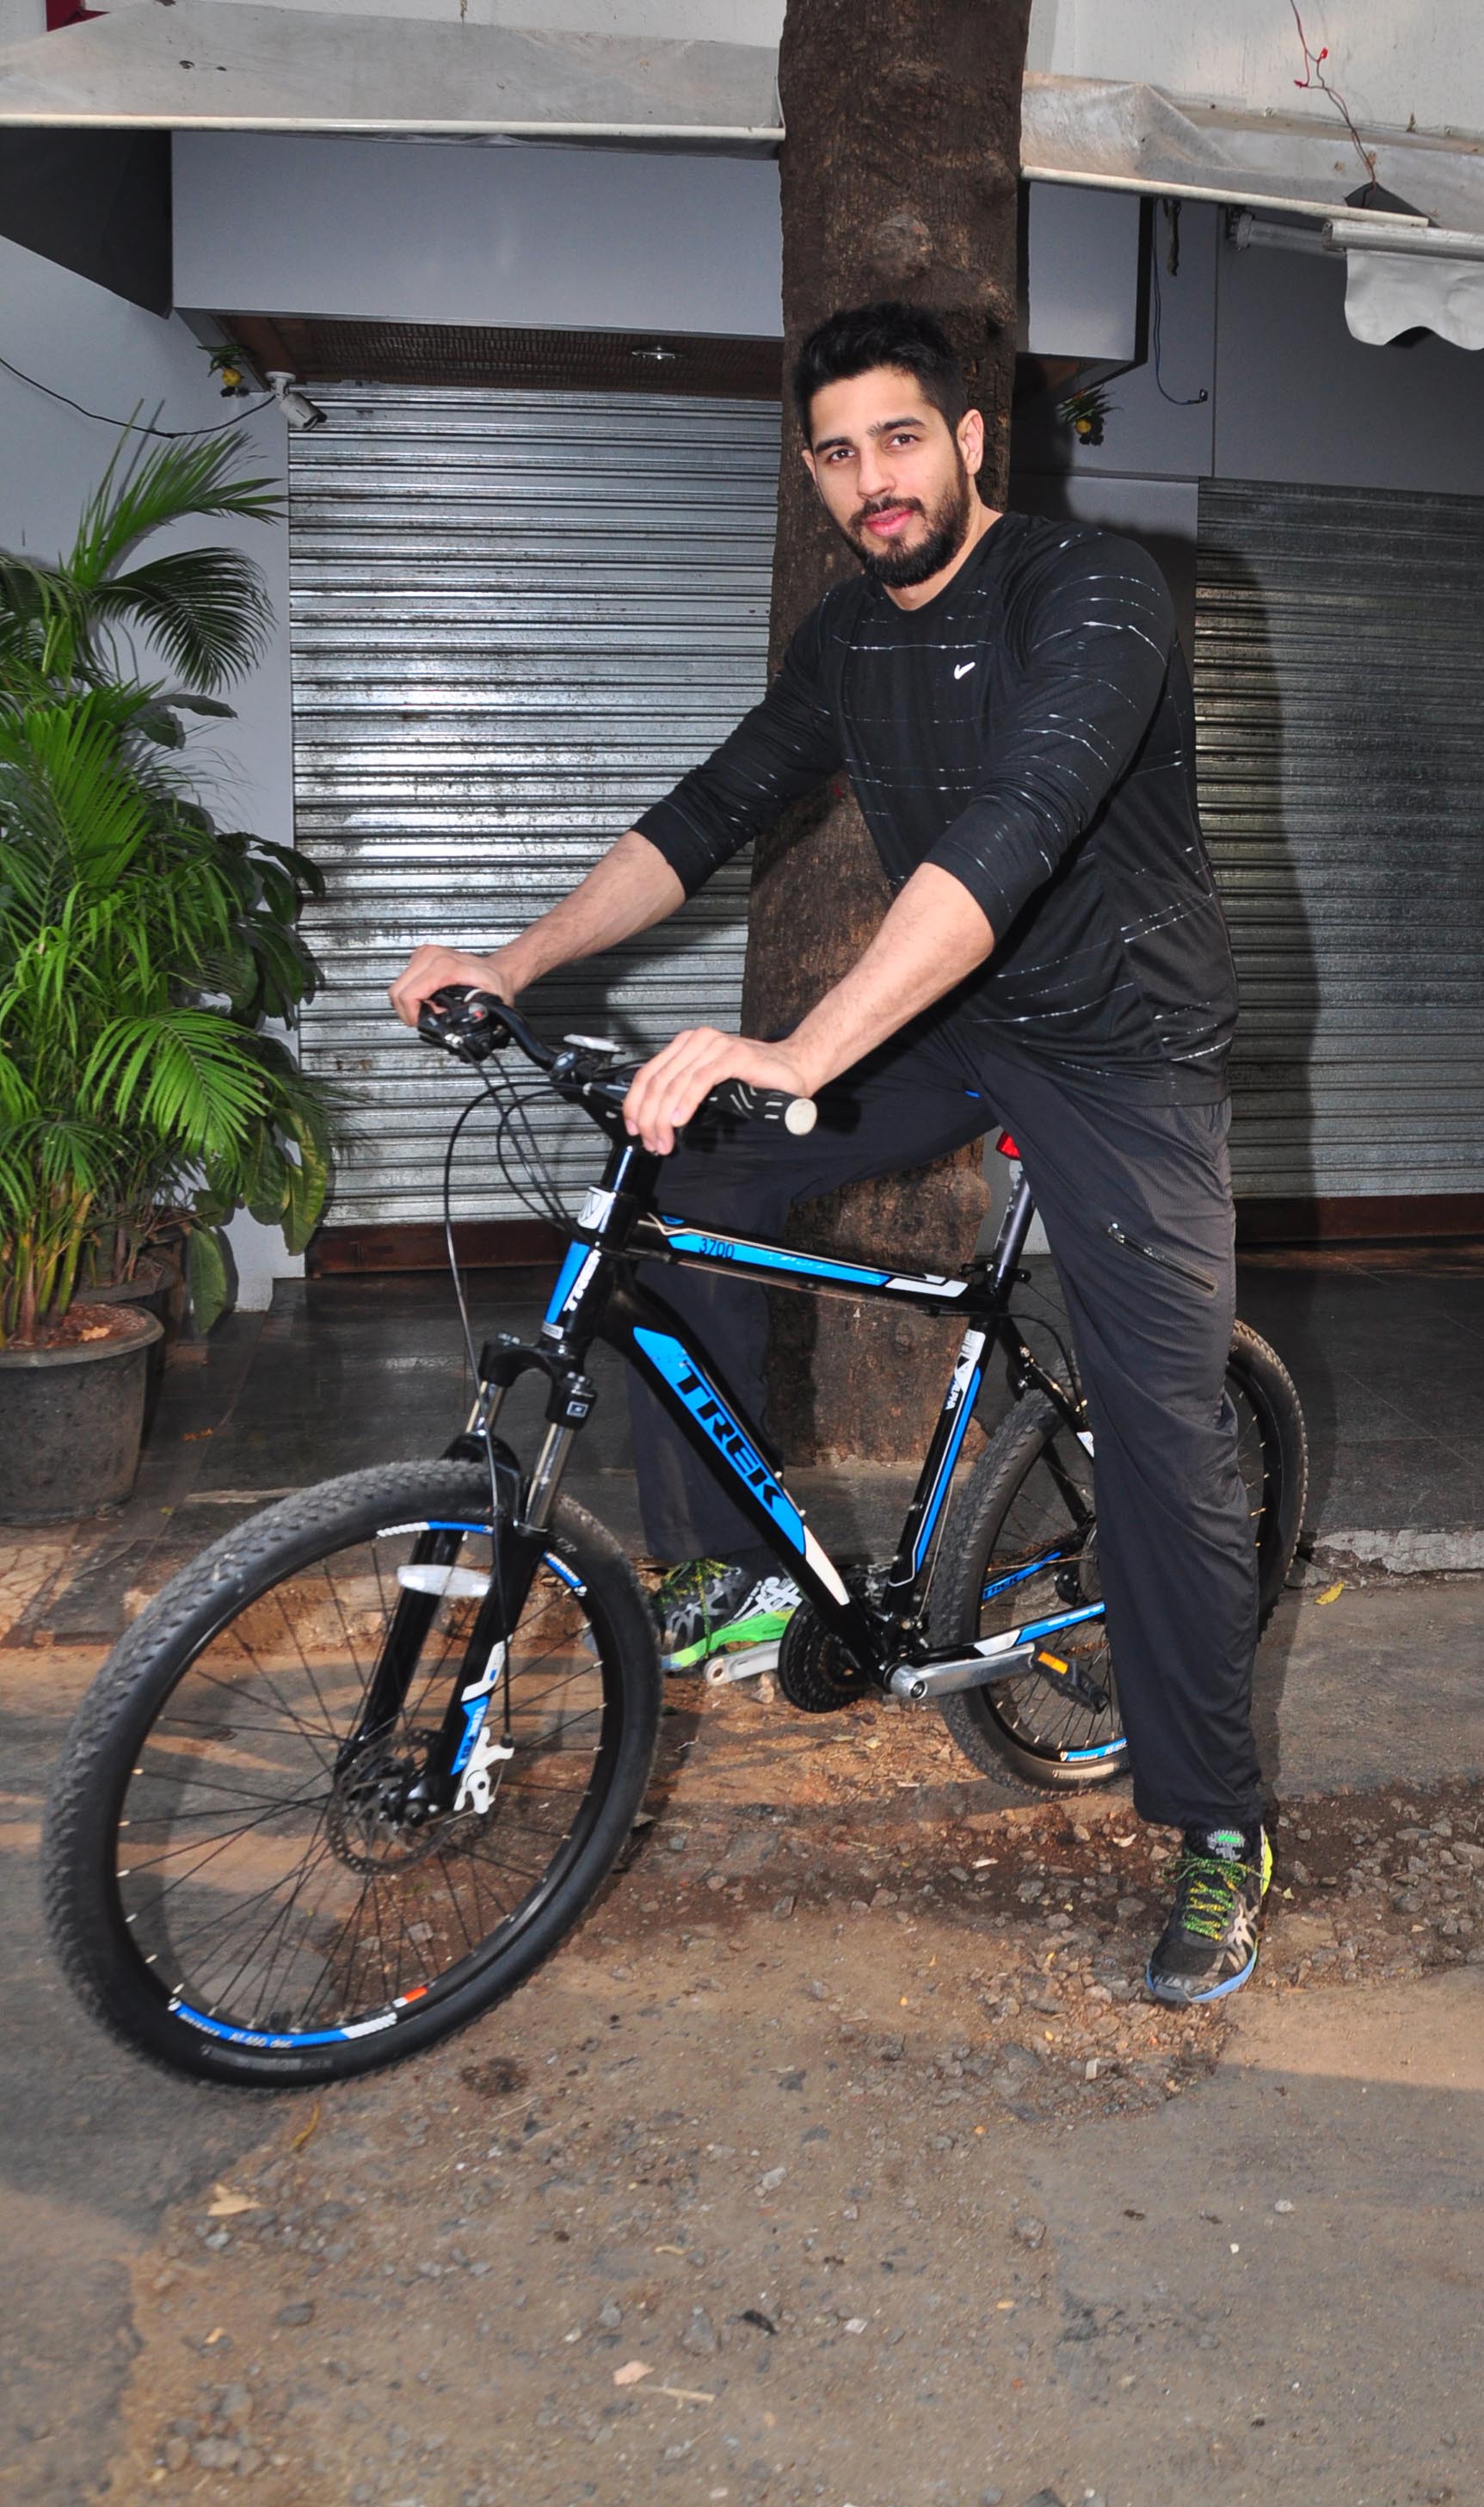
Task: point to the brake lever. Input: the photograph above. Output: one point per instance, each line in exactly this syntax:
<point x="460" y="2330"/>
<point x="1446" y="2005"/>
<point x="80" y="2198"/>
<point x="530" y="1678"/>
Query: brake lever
<point x="465" y="1023"/>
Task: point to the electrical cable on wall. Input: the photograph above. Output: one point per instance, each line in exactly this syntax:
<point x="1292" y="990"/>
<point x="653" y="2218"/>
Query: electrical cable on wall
<point x="1177" y="400"/>
<point x="137" y="426"/>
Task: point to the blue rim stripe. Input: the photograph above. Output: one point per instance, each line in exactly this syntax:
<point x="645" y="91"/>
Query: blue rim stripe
<point x="573" y="1584"/>
<point x="287" y="2038"/>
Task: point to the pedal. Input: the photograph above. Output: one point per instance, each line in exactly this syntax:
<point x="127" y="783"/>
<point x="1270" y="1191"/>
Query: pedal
<point x="746" y="1663"/>
<point x="1066" y="1675"/>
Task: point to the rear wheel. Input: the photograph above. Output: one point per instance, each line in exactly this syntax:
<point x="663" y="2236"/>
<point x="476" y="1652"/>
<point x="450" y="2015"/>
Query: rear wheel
<point x="1022" y="1545"/>
<point x="241" y="1889"/>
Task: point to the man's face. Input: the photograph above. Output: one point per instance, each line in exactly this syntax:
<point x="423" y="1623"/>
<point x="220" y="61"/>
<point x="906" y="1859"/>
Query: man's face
<point x="896" y="478"/>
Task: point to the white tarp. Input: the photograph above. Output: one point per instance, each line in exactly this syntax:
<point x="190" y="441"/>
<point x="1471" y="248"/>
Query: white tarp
<point x="1407" y="281"/>
<point x="218" y="64"/>
<point x="1400" y="275"/>
<point x="1097" y="130"/>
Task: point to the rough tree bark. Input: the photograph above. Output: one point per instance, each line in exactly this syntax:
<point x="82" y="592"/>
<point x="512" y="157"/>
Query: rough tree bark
<point x="899" y="175"/>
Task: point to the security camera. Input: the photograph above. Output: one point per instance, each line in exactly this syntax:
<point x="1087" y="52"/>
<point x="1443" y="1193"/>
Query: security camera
<point x="297" y="406"/>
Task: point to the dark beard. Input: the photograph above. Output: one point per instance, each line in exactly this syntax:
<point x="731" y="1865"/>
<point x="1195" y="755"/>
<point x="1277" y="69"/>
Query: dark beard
<point x="947" y="529"/>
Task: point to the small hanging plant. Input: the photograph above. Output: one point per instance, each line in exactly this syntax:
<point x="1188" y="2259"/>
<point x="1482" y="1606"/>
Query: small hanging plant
<point x="1085" y="412"/>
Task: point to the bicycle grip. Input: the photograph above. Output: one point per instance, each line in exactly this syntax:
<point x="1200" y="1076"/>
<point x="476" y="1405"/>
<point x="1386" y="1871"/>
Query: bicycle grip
<point x="797" y="1114"/>
<point x="468" y="1024"/>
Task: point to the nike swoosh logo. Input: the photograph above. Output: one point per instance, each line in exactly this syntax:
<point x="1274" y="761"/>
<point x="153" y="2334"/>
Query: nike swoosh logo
<point x="961" y="670"/>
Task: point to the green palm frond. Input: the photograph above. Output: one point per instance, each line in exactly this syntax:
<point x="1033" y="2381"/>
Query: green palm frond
<point x="184" y="1074"/>
<point x="42" y="622"/>
<point x="205" y="609"/>
<point x="18" y="1100"/>
<point x="66" y="797"/>
<point x="47" y="1159"/>
<point x="146" y="488"/>
<point x="74" y="1154"/>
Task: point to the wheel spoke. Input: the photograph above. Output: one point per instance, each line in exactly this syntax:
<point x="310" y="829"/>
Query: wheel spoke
<point x="278" y="1869"/>
<point x="1039" y="1559"/>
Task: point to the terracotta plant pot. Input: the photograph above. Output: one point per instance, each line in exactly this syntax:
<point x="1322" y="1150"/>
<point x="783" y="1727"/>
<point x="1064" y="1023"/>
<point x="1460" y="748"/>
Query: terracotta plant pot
<point x="72" y="1418"/>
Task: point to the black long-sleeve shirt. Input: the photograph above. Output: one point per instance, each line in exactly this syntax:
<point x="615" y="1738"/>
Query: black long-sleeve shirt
<point x="1032" y="731"/>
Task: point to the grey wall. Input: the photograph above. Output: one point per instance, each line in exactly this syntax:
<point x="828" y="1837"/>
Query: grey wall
<point x="1300" y="399"/>
<point x="115" y="358"/>
<point x="1292" y="397"/>
<point x="545" y="238"/>
<point x="1081" y="257"/>
<point x="564" y="239"/>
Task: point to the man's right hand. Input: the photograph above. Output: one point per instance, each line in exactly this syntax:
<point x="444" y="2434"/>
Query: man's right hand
<point x="430" y="968"/>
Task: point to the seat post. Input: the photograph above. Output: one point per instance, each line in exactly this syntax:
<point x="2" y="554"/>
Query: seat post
<point x="1014" y="1228"/>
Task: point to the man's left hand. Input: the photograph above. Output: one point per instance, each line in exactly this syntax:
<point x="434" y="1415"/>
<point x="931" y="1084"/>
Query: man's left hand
<point x="666" y="1092"/>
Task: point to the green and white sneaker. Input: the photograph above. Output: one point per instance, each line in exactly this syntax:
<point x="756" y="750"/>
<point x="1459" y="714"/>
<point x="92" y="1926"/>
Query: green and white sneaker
<point x="703" y="1606"/>
<point x="1210" y="1944"/>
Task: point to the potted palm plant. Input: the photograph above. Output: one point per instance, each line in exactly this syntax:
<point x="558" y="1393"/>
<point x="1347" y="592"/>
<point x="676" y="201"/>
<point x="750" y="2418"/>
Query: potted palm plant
<point x="141" y="949"/>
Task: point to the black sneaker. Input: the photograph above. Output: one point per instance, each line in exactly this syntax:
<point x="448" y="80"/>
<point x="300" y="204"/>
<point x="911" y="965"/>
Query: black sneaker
<point x="703" y="1606"/>
<point x="1210" y="1944"/>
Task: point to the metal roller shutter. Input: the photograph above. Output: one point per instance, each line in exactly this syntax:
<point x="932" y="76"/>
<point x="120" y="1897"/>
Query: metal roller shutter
<point x="517" y="617"/>
<point x="1340" y="699"/>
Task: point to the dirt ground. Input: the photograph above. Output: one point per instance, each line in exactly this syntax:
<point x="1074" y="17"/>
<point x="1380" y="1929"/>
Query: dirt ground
<point x="838" y="2158"/>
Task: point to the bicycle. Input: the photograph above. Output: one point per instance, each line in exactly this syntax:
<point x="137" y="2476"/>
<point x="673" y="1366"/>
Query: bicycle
<point x="360" y="1768"/>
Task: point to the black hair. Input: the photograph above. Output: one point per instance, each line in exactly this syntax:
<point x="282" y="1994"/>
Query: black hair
<point x="902" y="335"/>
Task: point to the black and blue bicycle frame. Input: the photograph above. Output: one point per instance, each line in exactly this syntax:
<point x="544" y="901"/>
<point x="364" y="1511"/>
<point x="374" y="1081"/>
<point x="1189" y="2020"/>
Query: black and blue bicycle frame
<point x="598" y="1297"/>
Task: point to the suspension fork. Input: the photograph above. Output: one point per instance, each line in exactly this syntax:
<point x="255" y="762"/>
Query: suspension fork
<point x="457" y="1771"/>
<point x="460" y="1773"/>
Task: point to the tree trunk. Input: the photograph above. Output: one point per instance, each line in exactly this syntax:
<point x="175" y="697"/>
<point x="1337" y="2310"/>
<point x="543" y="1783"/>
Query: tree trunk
<point x="899" y="175"/>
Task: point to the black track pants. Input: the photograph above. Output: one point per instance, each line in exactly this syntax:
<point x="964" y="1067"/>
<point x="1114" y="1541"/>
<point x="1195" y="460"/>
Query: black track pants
<point x="1175" y="1539"/>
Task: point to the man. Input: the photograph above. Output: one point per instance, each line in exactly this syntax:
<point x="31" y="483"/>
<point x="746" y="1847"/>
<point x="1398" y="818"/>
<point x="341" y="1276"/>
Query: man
<point x="1011" y="704"/>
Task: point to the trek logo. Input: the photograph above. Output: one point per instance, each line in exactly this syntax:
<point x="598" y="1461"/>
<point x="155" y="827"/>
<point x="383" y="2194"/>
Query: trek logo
<point x="704" y="1406"/>
<point x="961" y="670"/>
<point x="667" y="1353"/>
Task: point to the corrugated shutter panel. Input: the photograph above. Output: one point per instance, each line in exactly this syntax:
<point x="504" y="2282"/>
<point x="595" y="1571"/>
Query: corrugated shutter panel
<point x="1340" y="695"/>
<point x="516" y="620"/>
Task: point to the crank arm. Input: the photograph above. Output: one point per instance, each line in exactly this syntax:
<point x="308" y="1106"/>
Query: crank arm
<point x="745" y="1664"/>
<point x="1014" y="1650"/>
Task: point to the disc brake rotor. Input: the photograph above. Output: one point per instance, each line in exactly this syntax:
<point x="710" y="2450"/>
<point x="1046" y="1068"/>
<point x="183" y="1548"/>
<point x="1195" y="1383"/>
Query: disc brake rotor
<point x="371" y="1823"/>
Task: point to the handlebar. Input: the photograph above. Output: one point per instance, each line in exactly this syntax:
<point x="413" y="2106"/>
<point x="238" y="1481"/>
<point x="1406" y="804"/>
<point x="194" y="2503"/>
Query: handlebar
<point x="472" y="1025"/>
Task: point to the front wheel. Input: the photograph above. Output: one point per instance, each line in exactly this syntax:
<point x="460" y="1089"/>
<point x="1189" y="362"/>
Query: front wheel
<point x="240" y="1886"/>
<point x="1022" y="1547"/>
